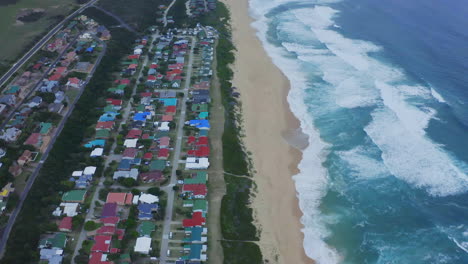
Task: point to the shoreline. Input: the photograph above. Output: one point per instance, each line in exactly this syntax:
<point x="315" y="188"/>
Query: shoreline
<point x="270" y="127"/>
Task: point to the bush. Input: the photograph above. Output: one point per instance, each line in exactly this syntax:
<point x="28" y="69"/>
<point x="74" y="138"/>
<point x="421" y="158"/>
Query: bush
<point x="90" y="226"/>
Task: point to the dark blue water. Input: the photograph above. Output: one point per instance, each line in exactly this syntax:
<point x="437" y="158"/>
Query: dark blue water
<point x="381" y="87"/>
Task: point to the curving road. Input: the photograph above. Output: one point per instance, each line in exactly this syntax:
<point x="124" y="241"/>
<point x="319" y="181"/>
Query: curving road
<point x="41" y="42"/>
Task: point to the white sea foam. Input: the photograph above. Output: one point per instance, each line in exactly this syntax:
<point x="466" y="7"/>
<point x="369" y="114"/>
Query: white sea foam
<point x="354" y="79"/>
<point x="311" y="182"/>
<point x="437" y="96"/>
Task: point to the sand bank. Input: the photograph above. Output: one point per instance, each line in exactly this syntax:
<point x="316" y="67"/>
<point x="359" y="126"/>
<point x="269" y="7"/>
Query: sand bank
<point x="267" y="119"/>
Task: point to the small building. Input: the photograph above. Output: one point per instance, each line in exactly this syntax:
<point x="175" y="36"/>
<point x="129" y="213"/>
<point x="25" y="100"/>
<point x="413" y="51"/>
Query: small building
<point x="120" y="198"/>
<point x="143" y="245"/>
<point x="66" y="224"/>
<point x="74" y="196"/>
<point x="109" y="210"/>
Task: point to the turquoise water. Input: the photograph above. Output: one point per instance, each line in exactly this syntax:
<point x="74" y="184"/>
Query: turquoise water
<point x="381" y="89"/>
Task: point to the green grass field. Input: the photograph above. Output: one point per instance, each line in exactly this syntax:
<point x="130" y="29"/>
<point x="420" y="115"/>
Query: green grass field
<point x="15" y="37"/>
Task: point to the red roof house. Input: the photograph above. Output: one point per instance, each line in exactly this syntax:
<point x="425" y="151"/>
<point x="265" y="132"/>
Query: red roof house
<point x="125" y="81"/>
<point x="120" y="198"/>
<point x="196" y="220"/>
<point x="152" y="176"/>
<point x="135" y="56"/>
<point x="102" y="243"/>
<point x="134" y="133"/>
<point x="163" y="153"/>
<point x="99" y="258"/>
<point x="148" y="94"/>
<point x="105" y="125"/>
<point x="202" y="141"/>
<point x="164" y="142"/>
<point x="55" y="77"/>
<point x="110" y="221"/>
<point x="190" y="139"/>
<point x="154" y="66"/>
<point x="171" y="109"/>
<point x="66" y="224"/>
<point x="148" y="156"/>
<point x="114" y="102"/>
<point x="106" y="230"/>
<point x="167" y="118"/>
<point x="130" y="153"/>
<point x="151" y="78"/>
<point x="196" y="189"/>
<point x="34" y="139"/>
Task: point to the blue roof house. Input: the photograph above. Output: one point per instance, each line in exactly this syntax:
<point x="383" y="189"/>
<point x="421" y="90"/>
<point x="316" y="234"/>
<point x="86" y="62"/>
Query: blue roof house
<point x="95" y="143"/>
<point x="146" y="211"/>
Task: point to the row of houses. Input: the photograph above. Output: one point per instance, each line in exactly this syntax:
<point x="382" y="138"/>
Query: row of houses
<point x="197" y="151"/>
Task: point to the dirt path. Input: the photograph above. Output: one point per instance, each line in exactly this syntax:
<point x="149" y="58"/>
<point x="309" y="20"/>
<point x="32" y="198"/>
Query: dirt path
<point x="216" y="185"/>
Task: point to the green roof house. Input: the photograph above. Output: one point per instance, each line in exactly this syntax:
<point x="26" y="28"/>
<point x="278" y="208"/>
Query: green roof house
<point x="200" y="206"/>
<point x="57" y="241"/>
<point x="45" y="128"/>
<point x="157" y="165"/>
<point x="102" y="133"/>
<point x="200" y="178"/>
<point x="74" y="196"/>
<point x="146" y="228"/>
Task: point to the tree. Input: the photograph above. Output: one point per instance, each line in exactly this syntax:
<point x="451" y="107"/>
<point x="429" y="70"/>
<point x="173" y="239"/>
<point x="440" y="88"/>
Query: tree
<point x="175" y="188"/>
<point x="136" y="192"/>
<point x="90" y="226"/>
<point x="127" y="182"/>
<point x="47" y="97"/>
<point x="154" y="191"/>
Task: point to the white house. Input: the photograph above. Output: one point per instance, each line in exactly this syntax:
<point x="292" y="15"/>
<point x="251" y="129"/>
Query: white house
<point x="143" y="245"/>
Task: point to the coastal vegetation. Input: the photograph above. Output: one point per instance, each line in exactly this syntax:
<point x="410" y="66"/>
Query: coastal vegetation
<point x="65" y="156"/>
<point x="237" y="226"/>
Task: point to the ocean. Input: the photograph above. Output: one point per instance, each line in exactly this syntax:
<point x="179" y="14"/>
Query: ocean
<point x="381" y="89"/>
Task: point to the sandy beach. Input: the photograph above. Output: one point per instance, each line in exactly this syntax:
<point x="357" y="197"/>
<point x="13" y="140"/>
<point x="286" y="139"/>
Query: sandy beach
<point x="267" y="118"/>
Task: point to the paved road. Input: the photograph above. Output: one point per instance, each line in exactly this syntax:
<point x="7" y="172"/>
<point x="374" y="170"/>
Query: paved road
<point x="175" y="163"/>
<point x="125" y="25"/>
<point x="41" y="42"/>
<point x="110" y="158"/>
<point x="33" y="176"/>
<point x="39" y="83"/>
<point x="166" y="12"/>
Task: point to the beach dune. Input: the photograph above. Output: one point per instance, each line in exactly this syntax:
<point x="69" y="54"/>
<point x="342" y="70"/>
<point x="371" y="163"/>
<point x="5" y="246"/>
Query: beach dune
<point x="267" y="119"/>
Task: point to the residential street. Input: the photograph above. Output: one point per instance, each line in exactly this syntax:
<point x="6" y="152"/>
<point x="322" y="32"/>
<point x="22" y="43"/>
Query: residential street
<point x="32" y="178"/>
<point x="110" y="158"/>
<point x="175" y="162"/>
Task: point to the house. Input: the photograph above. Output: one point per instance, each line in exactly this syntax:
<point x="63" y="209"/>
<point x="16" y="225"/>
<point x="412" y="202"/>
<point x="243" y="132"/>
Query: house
<point x="196" y="235"/>
<point x="55" y="107"/>
<point x="110" y="221"/>
<point x="133" y="173"/>
<point x="130" y="153"/>
<point x="148" y="198"/>
<point x="15" y="169"/>
<point x="109" y="210"/>
<point x="152" y="176"/>
<point x="8" y="99"/>
<point x="52" y="256"/>
<point x="146" y="211"/>
<point x="146" y="228"/>
<point x="198" y="178"/>
<point x="35" y="101"/>
<point x="55" y="241"/>
<point x="95" y="143"/>
<point x="164" y="142"/>
<point x="134" y="133"/>
<point x="148" y="156"/>
<point x="68" y="209"/>
<point x="102" y="243"/>
<point x="125" y="165"/>
<point x="90" y="170"/>
<point x="195" y="190"/>
<point x="196" y="220"/>
<point x="105" y="125"/>
<point x="26" y="157"/>
<point x="157" y="165"/>
<point x="99" y="258"/>
<point x="66" y="224"/>
<point x="120" y="198"/>
<point x="163" y="154"/>
<point x="74" y="83"/>
<point x="48" y="86"/>
<point x="102" y="134"/>
<point x="45" y="128"/>
<point x="193" y="163"/>
<point x="6" y="191"/>
<point x="143" y="245"/>
<point x="97" y="152"/>
<point x="201" y="124"/>
<point x="130" y="143"/>
<point x="74" y="196"/>
<point x="114" y="102"/>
